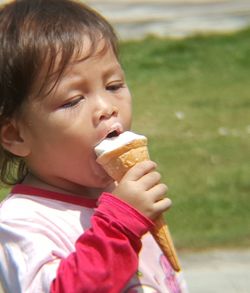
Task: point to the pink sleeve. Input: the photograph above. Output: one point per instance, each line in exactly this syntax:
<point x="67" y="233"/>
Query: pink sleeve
<point x="106" y="255"/>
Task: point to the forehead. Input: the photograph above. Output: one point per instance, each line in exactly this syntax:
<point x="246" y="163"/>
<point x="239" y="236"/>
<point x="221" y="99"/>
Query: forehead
<point x="56" y="66"/>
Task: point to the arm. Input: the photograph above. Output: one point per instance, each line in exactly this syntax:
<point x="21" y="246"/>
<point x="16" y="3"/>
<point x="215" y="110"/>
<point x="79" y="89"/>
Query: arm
<point x="106" y="256"/>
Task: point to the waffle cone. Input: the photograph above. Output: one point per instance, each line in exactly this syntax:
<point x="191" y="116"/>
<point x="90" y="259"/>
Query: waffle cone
<point x="163" y="237"/>
<point x="116" y="163"/>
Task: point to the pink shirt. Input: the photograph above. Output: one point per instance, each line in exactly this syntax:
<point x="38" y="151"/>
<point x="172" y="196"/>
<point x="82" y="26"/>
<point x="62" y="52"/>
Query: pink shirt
<point x="51" y="242"/>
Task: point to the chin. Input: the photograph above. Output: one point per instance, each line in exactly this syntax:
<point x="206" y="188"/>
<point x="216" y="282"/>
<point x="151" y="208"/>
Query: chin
<point x="105" y="182"/>
<point x="102" y="179"/>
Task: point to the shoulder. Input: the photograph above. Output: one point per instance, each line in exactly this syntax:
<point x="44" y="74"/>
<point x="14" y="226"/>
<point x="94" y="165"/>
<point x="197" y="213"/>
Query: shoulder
<point x="21" y="206"/>
<point x="21" y="212"/>
<point x="14" y="206"/>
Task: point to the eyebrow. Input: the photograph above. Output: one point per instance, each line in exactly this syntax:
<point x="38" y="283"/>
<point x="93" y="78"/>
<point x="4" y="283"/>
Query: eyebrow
<point x="50" y="81"/>
<point x="113" y="69"/>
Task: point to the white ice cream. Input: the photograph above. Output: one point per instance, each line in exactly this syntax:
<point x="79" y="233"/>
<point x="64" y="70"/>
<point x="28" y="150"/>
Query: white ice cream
<point x="110" y="144"/>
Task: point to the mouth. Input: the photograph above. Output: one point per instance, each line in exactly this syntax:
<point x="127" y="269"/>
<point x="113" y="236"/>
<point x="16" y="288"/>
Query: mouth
<point x="114" y="131"/>
<point x="112" y="134"/>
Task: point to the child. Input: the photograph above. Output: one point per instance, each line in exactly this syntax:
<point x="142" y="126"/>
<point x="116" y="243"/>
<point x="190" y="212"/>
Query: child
<point x="66" y="226"/>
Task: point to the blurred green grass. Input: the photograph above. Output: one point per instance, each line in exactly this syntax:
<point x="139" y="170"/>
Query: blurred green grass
<point x="191" y="98"/>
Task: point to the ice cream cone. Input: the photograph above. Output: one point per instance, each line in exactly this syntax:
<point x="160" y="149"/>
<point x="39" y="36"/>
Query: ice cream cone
<point x="163" y="237"/>
<point x="116" y="162"/>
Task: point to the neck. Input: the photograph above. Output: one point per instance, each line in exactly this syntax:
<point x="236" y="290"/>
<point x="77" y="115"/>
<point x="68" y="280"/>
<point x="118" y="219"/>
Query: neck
<point x="87" y="192"/>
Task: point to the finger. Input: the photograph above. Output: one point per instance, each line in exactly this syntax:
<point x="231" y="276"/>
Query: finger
<point x="158" y="192"/>
<point x="139" y="170"/>
<point x="149" y="180"/>
<point x="162" y="205"/>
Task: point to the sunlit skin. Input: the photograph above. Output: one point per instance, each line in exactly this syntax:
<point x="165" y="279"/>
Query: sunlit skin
<point x="61" y="130"/>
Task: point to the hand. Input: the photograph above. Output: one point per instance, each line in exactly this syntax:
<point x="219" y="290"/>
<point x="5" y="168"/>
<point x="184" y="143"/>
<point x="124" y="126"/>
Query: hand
<point x="141" y="188"/>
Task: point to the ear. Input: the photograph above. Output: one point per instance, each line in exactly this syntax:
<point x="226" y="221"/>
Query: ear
<point x="12" y="139"/>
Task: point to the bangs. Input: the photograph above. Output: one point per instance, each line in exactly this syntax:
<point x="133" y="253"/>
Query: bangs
<point x="45" y="35"/>
<point x="56" y="56"/>
<point x="71" y="36"/>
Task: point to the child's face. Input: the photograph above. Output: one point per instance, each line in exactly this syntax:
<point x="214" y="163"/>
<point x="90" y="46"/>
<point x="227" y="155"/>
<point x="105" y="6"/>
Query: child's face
<point x="90" y="100"/>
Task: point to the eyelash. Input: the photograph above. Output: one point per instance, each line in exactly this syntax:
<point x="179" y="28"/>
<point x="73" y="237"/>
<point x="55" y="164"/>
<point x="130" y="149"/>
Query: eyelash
<point x="115" y="87"/>
<point x="72" y="103"/>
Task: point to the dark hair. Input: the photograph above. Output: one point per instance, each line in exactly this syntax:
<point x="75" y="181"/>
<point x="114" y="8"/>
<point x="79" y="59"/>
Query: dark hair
<point x="33" y="35"/>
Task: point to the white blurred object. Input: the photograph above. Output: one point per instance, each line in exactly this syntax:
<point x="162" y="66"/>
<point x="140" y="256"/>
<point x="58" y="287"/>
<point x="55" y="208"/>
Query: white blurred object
<point x="180" y="115"/>
<point x="177" y="18"/>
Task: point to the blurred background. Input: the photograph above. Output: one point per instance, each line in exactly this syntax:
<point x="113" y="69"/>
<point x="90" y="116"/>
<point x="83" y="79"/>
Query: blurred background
<point x="133" y="19"/>
<point x="187" y="65"/>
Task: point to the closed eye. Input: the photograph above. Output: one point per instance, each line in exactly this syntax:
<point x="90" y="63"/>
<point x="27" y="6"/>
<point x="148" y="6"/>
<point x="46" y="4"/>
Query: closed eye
<point x="114" y="87"/>
<point x="72" y="103"/>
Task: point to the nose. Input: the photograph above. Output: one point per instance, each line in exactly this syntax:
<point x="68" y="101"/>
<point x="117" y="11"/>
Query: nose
<point x="105" y="109"/>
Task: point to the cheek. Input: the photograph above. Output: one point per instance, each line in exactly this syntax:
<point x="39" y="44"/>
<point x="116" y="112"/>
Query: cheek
<point x="126" y="108"/>
<point x="128" y="118"/>
<point x="127" y="112"/>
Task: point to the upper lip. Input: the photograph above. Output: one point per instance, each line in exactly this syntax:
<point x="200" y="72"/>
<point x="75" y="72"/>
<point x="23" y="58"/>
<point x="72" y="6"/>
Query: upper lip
<point x="117" y="126"/>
